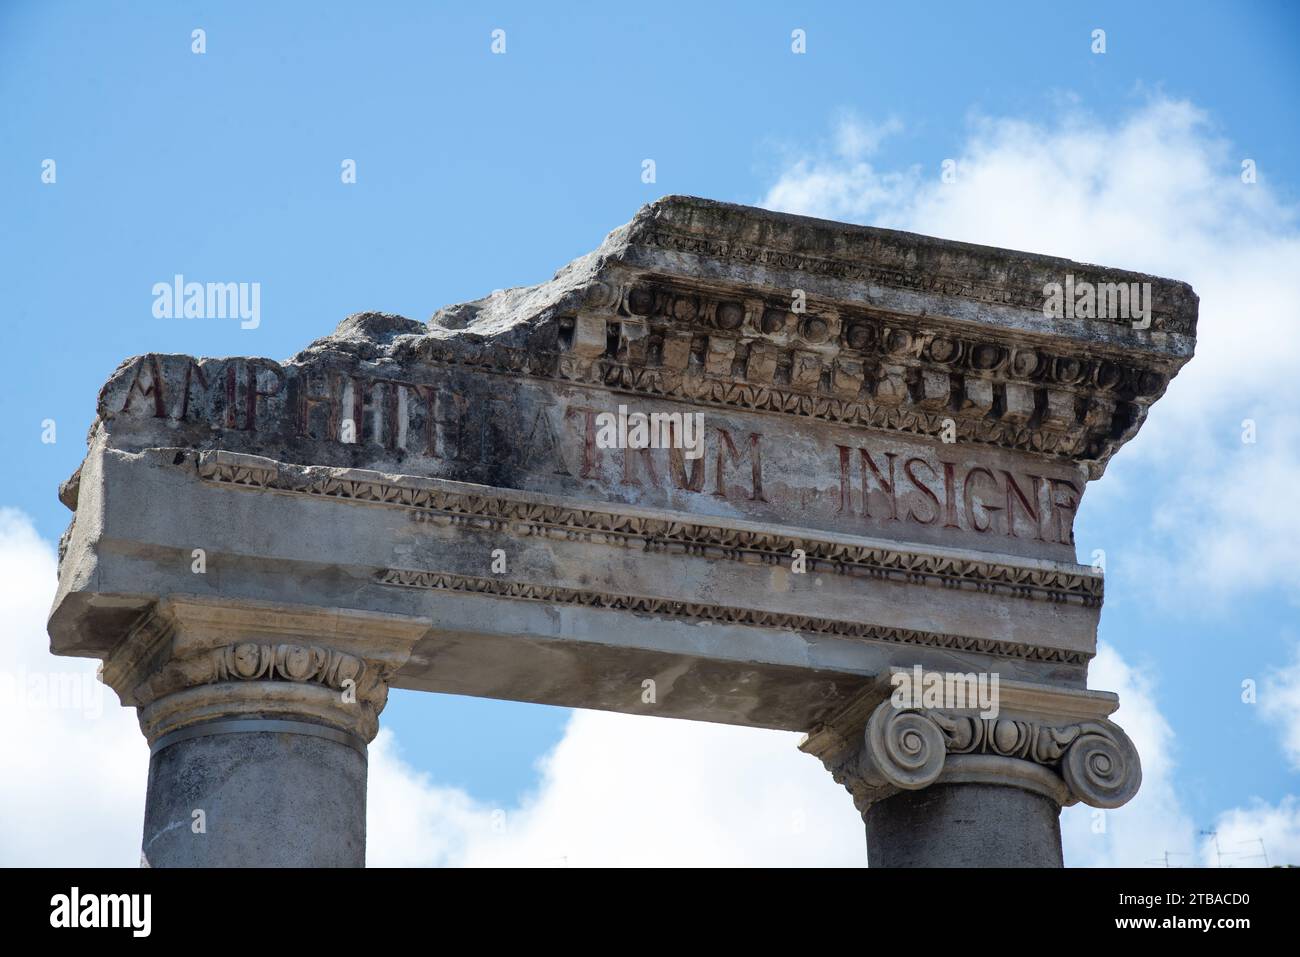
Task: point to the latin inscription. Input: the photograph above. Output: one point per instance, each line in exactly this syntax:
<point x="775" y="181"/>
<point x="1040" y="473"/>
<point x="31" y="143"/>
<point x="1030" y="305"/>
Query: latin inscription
<point x="495" y="431"/>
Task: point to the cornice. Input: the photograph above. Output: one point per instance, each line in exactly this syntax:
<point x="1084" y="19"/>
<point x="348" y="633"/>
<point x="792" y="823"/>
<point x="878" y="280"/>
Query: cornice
<point x="1175" y="318"/>
<point x="865" y="255"/>
<point x="856" y="367"/>
<point x="690" y="302"/>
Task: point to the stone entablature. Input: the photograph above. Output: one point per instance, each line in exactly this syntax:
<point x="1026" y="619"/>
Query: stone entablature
<point x="895" y="440"/>
<point x="862" y="413"/>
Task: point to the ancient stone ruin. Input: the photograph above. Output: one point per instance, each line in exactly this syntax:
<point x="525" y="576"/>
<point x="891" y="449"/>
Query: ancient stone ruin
<point x="896" y="436"/>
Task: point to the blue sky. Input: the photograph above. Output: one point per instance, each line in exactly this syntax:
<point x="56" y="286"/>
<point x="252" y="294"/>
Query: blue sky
<point x="479" y="171"/>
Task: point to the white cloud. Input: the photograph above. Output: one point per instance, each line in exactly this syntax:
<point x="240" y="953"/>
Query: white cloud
<point x="1220" y="534"/>
<point x="622" y="790"/>
<point x="1154" y="821"/>
<point x="1258" y="835"/>
<point x="840" y="182"/>
<point x="635" y="790"/>
<point x="627" y="790"/>
<point x="411" y="821"/>
<point x="74" y="762"/>
<point x="1279" y="704"/>
<point x="1159" y="191"/>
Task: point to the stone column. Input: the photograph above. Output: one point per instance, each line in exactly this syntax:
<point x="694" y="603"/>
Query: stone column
<point x="952" y="788"/>
<point x="258" y="718"/>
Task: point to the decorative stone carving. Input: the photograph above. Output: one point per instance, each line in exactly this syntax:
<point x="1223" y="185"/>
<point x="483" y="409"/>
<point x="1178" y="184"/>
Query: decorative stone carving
<point x="904" y="357"/>
<point x="895" y="749"/>
<point x="530" y="517"/>
<point x="886" y="258"/>
<point x="250" y="661"/>
<point x="180" y="666"/>
<point x="700" y="611"/>
<point x="896" y="437"/>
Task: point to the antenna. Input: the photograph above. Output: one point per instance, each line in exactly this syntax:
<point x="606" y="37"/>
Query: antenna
<point x="1218" y="852"/>
<point x="1263" y="852"/>
<point x="1165" y="860"/>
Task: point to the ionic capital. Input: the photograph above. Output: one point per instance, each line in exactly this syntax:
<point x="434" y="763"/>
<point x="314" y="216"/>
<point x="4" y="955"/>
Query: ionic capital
<point x="1054" y="742"/>
<point x="192" y="660"/>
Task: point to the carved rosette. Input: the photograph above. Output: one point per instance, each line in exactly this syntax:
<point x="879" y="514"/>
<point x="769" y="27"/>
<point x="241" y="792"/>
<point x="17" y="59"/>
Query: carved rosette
<point x="908" y="749"/>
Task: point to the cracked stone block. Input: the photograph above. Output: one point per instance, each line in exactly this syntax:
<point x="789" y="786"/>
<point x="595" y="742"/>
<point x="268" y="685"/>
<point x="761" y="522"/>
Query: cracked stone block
<point x="761" y="365"/>
<point x="1099" y="413"/>
<point x="891" y="386"/>
<point x="677" y="350"/>
<point x="635" y="337"/>
<point x="1059" y="413"/>
<point x="589" y="336"/>
<point x="720" y="355"/>
<point x="805" y="370"/>
<point x="979" y="394"/>
<point x="935" y="391"/>
<point x="1020" y="403"/>
<point x="846" y="377"/>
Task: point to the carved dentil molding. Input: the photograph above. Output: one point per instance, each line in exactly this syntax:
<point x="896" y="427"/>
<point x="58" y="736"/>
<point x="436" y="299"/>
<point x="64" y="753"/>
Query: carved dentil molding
<point x="900" y="379"/>
<point x="743" y="347"/>
<point x="1089" y="761"/>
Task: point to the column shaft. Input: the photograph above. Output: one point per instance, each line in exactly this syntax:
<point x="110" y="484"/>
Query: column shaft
<point x="256" y="798"/>
<point x="964" y="825"/>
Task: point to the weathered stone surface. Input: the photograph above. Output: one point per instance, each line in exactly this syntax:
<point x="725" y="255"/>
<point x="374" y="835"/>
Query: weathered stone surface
<point x="965" y="825"/>
<point x="264" y="799"/>
<point x="895" y="410"/>
<point x="1056" y="742"/>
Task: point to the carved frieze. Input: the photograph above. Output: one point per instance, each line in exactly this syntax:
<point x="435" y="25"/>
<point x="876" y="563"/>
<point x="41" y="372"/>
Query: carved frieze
<point x="969" y="358"/>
